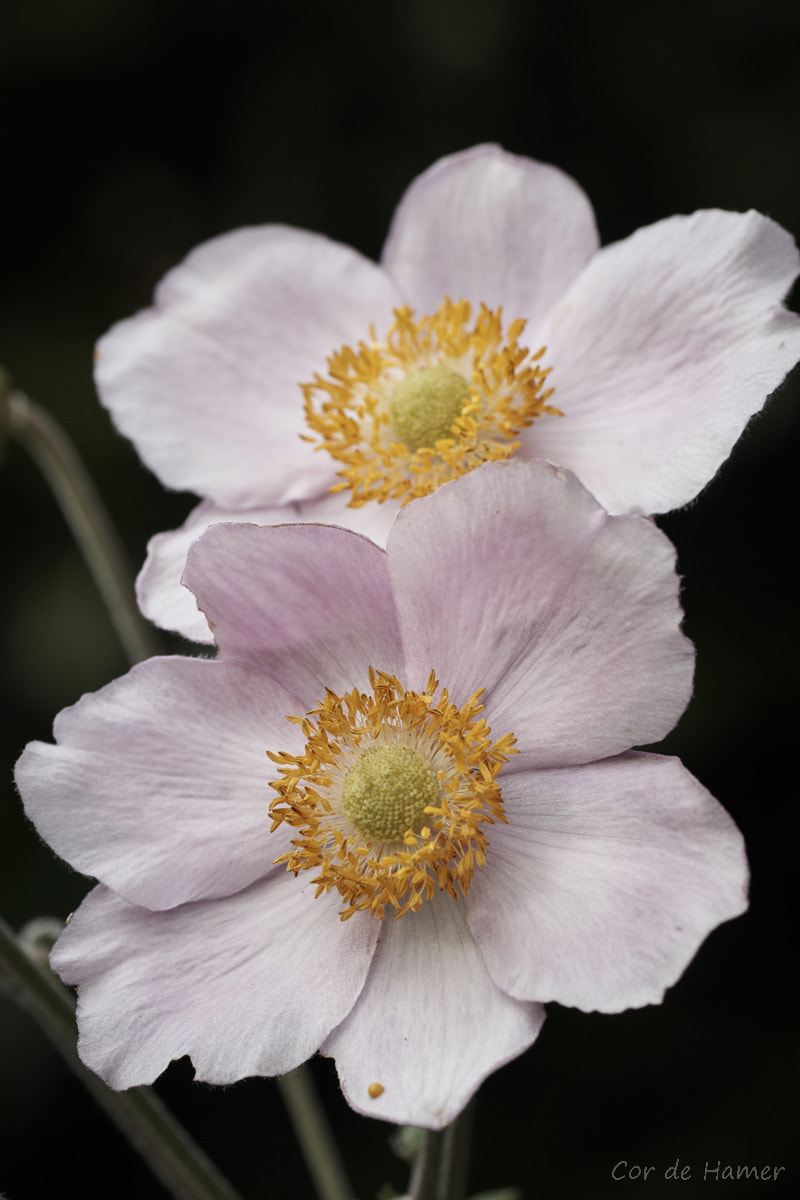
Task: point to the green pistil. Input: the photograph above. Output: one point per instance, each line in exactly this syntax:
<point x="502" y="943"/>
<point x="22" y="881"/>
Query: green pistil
<point x="425" y="404"/>
<point x="387" y="790"/>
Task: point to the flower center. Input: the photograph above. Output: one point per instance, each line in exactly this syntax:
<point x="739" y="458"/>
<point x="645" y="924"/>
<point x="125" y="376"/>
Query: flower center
<point x="387" y="790"/>
<point x="437" y="397"/>
<point x="391" y="796"/>
<point x="426" y="404"/>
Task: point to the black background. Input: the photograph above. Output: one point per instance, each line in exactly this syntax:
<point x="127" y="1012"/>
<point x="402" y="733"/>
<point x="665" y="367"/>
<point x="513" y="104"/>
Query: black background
<point x="131" y="131"/>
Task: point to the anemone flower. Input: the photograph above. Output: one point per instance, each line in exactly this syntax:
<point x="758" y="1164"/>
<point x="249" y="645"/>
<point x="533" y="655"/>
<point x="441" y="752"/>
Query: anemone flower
<point x="458" y="830"/>
<point x="276" y="365"/>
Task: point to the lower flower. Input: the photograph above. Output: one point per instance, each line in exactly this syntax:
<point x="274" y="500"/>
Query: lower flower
<point x="454" y="780"/>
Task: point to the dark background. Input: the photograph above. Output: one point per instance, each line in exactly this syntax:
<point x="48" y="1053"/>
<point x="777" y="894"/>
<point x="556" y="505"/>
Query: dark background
<point x="129" y="132"/>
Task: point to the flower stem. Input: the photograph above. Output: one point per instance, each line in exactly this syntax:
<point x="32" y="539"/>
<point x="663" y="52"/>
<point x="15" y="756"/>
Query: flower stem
<point x="173" y="1157"/>
<point x="84" y="512"/>
<point x="424" y="1184"/>
<point x="312" y="1132"/>
<point x="454" y="1166"/>
<point x="441" y="1167"/>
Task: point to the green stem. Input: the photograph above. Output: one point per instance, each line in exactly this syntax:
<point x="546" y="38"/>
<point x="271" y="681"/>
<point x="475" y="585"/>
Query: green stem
<point x="454" y="1167"/>
<point x="312" y="1132"/>
<point x="171" y="1154"/>
<point x="84" y="512"/>
<point x="424" y="1184"/>
<point x="441" y="1168"/>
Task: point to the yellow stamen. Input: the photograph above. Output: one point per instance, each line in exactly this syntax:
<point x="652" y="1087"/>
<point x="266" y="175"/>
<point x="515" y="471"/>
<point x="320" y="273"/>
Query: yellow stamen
<point x="436" y="398"/>
<point x="391" y="795"/>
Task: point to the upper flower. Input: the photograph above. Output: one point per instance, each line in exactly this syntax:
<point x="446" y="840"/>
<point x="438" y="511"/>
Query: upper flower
<point x="449" y="831"/>
<point x="277" y="367"/>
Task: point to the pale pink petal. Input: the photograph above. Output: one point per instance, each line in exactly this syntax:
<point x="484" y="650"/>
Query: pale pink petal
<point x="310" y="605"/>
<point x="163" y="598"/>
<point x="159" y="783"/>
<point x="429" y="1025"/>
<point x="206" y="383"/>
<point x="513" y="579"/>
<point x="373" y="520"/>
<point x="605" y="881"/>
<point x="662" y="350"/>
<point x="484" y="225"/>
<point x="248" y="985"/>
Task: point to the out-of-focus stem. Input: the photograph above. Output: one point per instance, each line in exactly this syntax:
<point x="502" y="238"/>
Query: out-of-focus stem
<point x="171" y="1154"/>
<point x="454" y="1164"/>
<point x="424" y="1184"/>
<point x="312" y="1132"/>
<point x="441" y="1168"/>
<point x="84" y="512"/>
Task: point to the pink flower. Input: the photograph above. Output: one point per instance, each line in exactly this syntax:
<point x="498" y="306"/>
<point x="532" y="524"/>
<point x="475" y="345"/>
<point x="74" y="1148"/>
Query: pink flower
<point x="530" y="854"/>
<point x="658" y="350"/>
